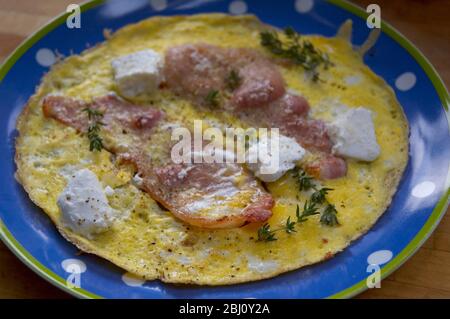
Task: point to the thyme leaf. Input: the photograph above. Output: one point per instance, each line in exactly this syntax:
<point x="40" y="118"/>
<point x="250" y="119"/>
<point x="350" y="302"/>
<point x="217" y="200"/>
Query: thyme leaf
<point x="329" y="217"/>
<point x="304" y="181"/>
<point x="233" y="80"/>
<point x="311" y="207"/>
<point x="319" y="195"/>
<point x="94" y="117"/>
<point x="265" y="234"/>
<point x="295" y="49"/>
<point x="212" y="98"/>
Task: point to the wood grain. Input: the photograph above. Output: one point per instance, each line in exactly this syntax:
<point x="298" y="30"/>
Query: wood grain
<point x="425" y="23"/>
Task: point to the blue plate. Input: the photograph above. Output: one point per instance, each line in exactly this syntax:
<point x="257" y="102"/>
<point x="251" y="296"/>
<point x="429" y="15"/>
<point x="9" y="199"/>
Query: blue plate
<point x="418" y="206"/>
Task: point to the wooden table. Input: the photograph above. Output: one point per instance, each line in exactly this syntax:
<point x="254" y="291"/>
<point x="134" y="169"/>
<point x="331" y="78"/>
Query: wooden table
<point x="425" y="275"/>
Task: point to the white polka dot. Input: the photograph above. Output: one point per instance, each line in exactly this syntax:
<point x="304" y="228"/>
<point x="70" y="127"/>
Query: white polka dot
<point x="304" y="6"/>
<point x="379" y="257"/>
<point x="45" y="57"/>
<point x="158" y="5"/>
<point x="238" y="7"/>
<point x="423" y="189"/>
<point x="73" y="266"/>
<point x="132" y="280"/>
<point x="406" y="81"/>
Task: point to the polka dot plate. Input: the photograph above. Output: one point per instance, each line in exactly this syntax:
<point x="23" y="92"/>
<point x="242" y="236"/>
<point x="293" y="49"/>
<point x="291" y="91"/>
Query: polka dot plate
<point x="417" y="207"/>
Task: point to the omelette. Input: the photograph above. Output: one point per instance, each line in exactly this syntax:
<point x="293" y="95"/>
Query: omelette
<point x="96" y="140"/>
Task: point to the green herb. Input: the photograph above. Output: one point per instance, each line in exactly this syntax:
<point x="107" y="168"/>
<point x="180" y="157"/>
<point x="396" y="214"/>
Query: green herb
<point x="290" y="226"/>
<point x="294" y="48"/>
<point x="304" y="181"/>
<point x="311" y="207"/>
<point x="329" y="217"/>
<point x="93" y="115"/>
<point x="95" y="141"/>
<point x="319" y="195"/>
<point x="233" y="80"/>
<point x="272" y="42"/>
<point x="265" y="234"/>
<point x="212" y="98"/>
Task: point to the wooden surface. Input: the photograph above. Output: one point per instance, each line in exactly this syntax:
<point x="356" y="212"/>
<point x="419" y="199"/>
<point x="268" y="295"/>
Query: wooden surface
<point x="425" y="275"/>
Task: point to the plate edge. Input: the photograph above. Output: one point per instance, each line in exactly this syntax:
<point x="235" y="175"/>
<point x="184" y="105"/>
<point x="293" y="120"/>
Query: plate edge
<point x="424" y="233"/>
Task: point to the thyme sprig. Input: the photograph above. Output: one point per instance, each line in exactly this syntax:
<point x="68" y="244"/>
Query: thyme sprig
<point x="304" y="181"/>
<point x="297" y="50"/>
<point x="311" y="207"/>
<point x="265" y="233"/>
<point x="329" y="216"/>
<point x="213" y="98"/>
<point x="233" y="80"/>
<point x="94" y="117"/>
<point x="319" y="195"/>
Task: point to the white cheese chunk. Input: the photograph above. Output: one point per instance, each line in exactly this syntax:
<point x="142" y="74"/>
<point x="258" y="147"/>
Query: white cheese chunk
<point x="138" y="73"/>
<point x="269" y="163"/>
<point x="353" y="135"/>
<point x="84" y="206"/>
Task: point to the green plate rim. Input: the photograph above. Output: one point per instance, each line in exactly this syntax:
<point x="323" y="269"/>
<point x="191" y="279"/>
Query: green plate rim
<point x="443" y="203"/>
<point x="404" y="255"/>
<point x="5" y="235"/>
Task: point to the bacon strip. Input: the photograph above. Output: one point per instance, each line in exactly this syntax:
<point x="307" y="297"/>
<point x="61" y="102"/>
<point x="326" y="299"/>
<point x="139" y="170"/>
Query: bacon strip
<point x="329" y="167"/>
<point x="194" y="70"/>
<point x="140" y="120"/>
<point x="203" y="195"/>
<point x="261" y="99"/>
<point x="209" y="194"/>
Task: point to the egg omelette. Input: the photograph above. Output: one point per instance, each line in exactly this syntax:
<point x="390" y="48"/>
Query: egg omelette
<point x="149" y="241"/>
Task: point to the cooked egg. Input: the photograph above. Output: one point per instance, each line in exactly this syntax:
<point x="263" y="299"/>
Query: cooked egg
<point x="149" y="241"/>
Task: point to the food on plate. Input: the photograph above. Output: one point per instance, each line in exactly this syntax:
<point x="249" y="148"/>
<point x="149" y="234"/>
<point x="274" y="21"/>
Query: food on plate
<point x="96" y="143"/>
<point x="201" y="194"/>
